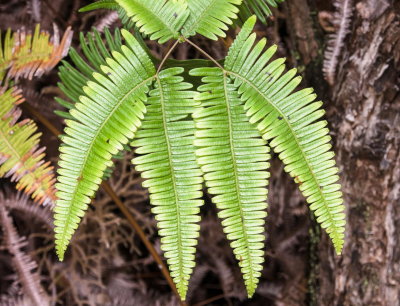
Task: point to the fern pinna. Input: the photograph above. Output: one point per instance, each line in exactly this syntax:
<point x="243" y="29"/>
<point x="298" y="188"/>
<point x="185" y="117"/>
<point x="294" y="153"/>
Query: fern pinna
<point x="21" y="159"/>
<point x="219" y="130"/>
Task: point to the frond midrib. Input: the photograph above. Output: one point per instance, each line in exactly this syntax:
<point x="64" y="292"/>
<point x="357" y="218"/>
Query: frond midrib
<point x="63" y="240"/>
<point x="298" y="145"/>
<point x="232" y="149"/>
<point x="168" y="143"/>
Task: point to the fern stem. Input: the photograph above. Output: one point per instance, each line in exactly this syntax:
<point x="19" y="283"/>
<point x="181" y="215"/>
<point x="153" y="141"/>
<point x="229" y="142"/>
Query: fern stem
<point x="112" y="194"/>
<point x="166" y="56"/>
<point x="205" y="53"/>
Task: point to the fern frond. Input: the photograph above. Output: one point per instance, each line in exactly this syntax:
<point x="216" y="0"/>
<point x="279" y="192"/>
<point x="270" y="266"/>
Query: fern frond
<point x="210" y="17"/>
<point x="100" y="4"/>
<point x="342" y="22"/>
<point x="234" y="159"/>
<point x="105" y="118"/>
<point x="260" y="8"/>
<point x="290" y="121"/>
<point x="168" y="163"/>
<point x="27" y="55"/>
<point x="160" y="19"/>
<point x="20" y="158"/>
<point x="24" y="265"/>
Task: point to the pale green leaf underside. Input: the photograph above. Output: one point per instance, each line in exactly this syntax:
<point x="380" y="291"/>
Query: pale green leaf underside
<point x="106" y="117"/>
<point x="168" y="164"/>
<point x="290" y="121"/>
<point x="234" y="158"/>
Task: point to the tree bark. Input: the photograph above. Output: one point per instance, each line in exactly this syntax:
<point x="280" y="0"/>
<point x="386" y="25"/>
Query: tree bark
<point x="363" y="108"/>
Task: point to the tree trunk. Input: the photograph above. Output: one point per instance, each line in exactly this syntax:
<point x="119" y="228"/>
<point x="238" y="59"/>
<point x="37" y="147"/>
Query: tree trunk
<point x="363" y="108"/>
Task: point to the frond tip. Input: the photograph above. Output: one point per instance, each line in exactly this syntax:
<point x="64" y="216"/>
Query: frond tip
<point x="168" y="163"/>
<point x="290" y="122"/>
<point x="20" y="158"/>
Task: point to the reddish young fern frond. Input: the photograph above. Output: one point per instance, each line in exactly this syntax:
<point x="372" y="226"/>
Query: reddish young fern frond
<point x="341" y="21"/>
<point x="27" y="55"/>
<point x="24" y="265"/>
<point x="20" y="156"/>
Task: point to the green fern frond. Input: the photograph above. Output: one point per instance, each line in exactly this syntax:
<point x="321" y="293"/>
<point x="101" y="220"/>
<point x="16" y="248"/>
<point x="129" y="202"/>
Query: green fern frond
<point x="100" y="4"/>
<point x="20" y="157"/>
<point x="27" y="55"/>
<point x="105" y="118"/>
<point x="210" y="17"/>
<point x="234" y="158"/>
<point x="160" y="19"/>
<point x="290" y="121"/>
<point x="260" y="8"/>
<point x="168" y="163"/>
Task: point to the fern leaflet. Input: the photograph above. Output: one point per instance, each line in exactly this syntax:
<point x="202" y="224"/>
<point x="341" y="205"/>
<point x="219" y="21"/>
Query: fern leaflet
<point x="234" y="159"/>
<point x="210" y="17"/>
<point x="106" y="117"/>
<point x="168" y="163"/>
<point x="20" y="157"/>
<point x="260" y="8"/>
<point x="161" y="19"/>
<point x="291" y="123"/>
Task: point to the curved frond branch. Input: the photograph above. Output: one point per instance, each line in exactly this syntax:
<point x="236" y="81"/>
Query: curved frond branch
<point x="168" y="164"/>
<point x="20" y="203"/>
<point x="20" y="156"/>
<point x="105" y="119"/>
<point x="161" y="19"/>
<point x="290" y="121"/>
<point x="24" y="265"/>
<point x="29" y="55"/>
<point x="234" y="159"/>
<point x="210" y="17"/>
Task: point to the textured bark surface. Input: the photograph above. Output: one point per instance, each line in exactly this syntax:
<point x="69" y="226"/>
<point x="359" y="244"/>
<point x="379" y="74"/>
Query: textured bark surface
<point x="364" y="112"/>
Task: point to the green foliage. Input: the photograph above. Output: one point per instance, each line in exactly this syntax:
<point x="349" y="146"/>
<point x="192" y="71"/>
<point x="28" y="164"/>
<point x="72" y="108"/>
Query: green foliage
<point x="221" y="132"/>
<point x="106" y="117"/>
<point x="167" y="19"/>
<point x="234" y="159"/>
<point x="290" y="123"/>
<point x="20" y="156"/>
<point x="168" y="163"/>
<point x="209" y="17"/>
<point x="160" y="19"/>
<point x="260" y="8"/>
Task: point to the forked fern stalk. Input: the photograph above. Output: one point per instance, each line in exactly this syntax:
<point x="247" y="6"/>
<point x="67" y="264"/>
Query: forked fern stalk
<point x="342" y="22"/>
<point x="220" y="132"/>
<point x="29" y="55"/>
<point x="20" y="156"/>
